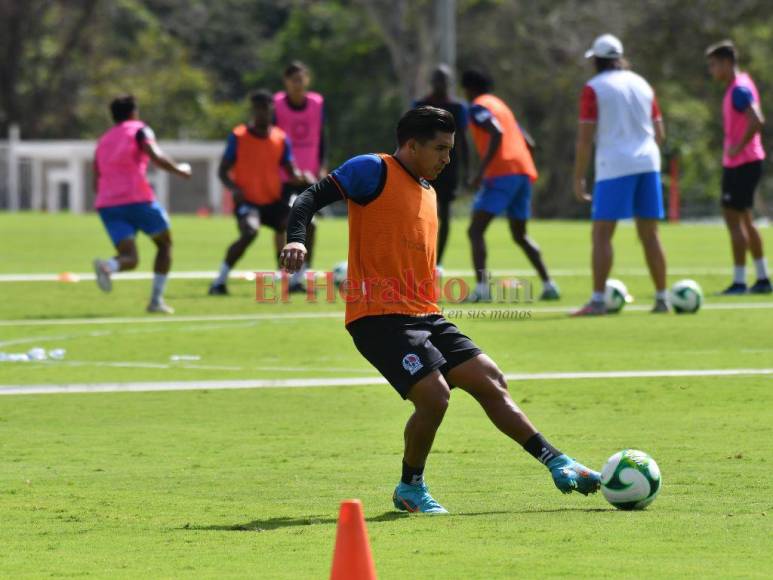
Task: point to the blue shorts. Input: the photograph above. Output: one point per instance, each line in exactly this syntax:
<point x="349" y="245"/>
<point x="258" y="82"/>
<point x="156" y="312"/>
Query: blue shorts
<point x="123" y="221"/>
<point x="507" y="192"/>
<point x="639" y="195"/>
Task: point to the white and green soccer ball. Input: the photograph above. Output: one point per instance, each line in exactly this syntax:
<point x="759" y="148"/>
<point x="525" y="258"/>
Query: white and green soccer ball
<point x="631" y="480"/>
<point x="616" y="296"/>
<point x="686" y="297"/>
<point x="339" y="273"/>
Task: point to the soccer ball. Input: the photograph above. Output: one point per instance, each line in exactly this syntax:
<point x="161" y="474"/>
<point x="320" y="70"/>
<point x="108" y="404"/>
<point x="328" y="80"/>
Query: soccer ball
<point x="631" y="480"/>
<point x="686" y="297"/>
<point x="616" y="296"/>
<point x="339" y="273"/>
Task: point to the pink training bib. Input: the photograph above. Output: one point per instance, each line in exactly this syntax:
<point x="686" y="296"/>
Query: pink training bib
<point x="122" y="165"/>
<point x="303" y="127"/>
<point x="735" y="125"/>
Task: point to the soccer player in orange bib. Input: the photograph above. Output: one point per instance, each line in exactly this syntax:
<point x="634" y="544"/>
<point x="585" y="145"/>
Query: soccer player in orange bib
<point x="505" y="177"/>
<point x="392" y="312"/>
<point x="250" y="169"/>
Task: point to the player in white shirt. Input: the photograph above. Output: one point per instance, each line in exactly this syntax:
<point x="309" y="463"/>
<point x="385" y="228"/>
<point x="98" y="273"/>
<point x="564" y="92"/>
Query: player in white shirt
<point x="619" y="109"/>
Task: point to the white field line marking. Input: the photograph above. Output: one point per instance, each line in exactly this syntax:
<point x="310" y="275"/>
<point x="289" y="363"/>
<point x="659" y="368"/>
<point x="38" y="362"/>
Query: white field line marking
<point x="36" y="365"/>
<point x="249" y="274"/>
<point x="336" y="314"/>
<point x="135" y="387"/>
<point x="166" y="319"/>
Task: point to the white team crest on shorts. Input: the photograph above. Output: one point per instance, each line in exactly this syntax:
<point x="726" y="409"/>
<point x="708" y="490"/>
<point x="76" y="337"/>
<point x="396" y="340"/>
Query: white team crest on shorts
<point x="412" y="363"/>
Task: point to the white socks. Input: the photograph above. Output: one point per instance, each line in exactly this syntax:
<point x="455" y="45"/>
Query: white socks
<point x="661" y="295"/>
<point x="222" y="276"/>
<point x="299" y="277"/>
<point x="112" y="265"/>
<point x="482" y="290"/>
<point x="739" y="274"/>
<point x="159" y="283"/>
<point x="762" y="268"/>
<point x="597" y="297"/>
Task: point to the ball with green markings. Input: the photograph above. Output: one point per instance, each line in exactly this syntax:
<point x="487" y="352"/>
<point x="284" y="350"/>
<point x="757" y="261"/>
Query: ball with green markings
<point x="686" y="297"/>
<point x="631" y="480"/>
<point x="616" y="296"/>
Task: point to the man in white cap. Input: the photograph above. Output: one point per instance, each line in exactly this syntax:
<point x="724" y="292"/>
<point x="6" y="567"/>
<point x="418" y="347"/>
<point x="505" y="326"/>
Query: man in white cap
<point x="619" y="108"/>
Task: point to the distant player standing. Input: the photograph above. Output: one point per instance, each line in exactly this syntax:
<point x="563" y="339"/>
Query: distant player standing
<point x="504" y="177"/>
<point x="392" y="312"/>
<point x="446" y="183"/>
<point x="250" y="166"/>
<point x="619" y="108"/>
<point x="126" y="202"/>
<point x="742" y="159"/>
<point x="300" y="113"/>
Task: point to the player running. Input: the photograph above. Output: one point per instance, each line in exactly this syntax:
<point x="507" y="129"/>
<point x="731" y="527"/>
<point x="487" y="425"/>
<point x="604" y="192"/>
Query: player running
<point x="300" y="113"/>
<point x="619" y="109"/>
<point x="506" y="173"/>
<point x="249" y="168"/>
<point x="741" y="165"/>
<point x="126" y="202"/>
<point x="392" y="312"/>
<point x="446" y="183"/>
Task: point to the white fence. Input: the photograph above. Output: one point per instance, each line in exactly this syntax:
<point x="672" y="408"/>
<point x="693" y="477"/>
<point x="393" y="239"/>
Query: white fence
<point x="55" y="176"/>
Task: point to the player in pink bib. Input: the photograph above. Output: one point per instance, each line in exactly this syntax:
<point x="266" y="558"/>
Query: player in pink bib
<point x="126" y="202"/>
<point x="742" y="157"/>
<point x="300" y="113"/>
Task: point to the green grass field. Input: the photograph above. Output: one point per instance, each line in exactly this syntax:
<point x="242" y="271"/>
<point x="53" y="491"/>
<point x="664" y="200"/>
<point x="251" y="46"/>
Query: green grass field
<point x="246" y="483"/>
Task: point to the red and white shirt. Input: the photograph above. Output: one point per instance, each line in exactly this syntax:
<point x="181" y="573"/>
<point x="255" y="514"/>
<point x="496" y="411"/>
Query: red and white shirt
<point x="624" y="108"/>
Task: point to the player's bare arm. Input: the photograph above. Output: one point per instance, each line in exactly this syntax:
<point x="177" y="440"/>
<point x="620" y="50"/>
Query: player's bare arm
<point x="163" y="161"/>
<point x="491" y="126"/>
<point x="583" y="150"/>
<point x="223" y="173"/>
<point x="756" y="123"/>
<point x="660" y="131"/>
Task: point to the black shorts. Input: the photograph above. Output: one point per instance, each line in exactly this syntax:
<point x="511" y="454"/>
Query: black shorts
<point x="405" y="349"/>
<point x="249" y="217"/>
<point x="739" y="184"/>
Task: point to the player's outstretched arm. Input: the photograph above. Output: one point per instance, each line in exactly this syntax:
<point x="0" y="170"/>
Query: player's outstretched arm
<point x="319" y="195"/>
<point x="163" y="161"/>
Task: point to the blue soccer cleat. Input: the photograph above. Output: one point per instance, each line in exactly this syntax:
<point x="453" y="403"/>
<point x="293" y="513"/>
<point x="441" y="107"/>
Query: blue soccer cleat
<point x="416" y="498"/>
<point x="569" y="476"/>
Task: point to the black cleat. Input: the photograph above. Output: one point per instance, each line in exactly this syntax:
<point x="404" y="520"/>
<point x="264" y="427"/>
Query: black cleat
<point x="761" y="286"/>
<point x="218" y="290"/>
<point x="735" y="289"/>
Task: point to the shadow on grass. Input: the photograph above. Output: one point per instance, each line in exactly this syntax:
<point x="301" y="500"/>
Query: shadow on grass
<point x="390" y="516"/>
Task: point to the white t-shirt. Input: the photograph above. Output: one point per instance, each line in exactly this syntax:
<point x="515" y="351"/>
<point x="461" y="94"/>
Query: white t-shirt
<point x="623" y="105"/>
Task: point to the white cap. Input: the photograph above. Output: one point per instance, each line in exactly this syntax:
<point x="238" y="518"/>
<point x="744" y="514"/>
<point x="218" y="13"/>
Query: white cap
<point x="606" y="46"/>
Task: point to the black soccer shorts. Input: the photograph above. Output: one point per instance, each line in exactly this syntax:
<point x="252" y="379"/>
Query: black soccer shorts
<point x="405" y="349"/>
<point x="739" y="184"/>
<point x="249" y="217"/>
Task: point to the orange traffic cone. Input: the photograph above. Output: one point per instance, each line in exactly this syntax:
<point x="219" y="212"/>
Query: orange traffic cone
<point x="352" y="559"/>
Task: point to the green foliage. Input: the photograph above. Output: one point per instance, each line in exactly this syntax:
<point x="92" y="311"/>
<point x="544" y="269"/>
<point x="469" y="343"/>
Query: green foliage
<point x="140" y="57"/>
<point x="349" y="66"/>
<point x="192" y="62"/>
